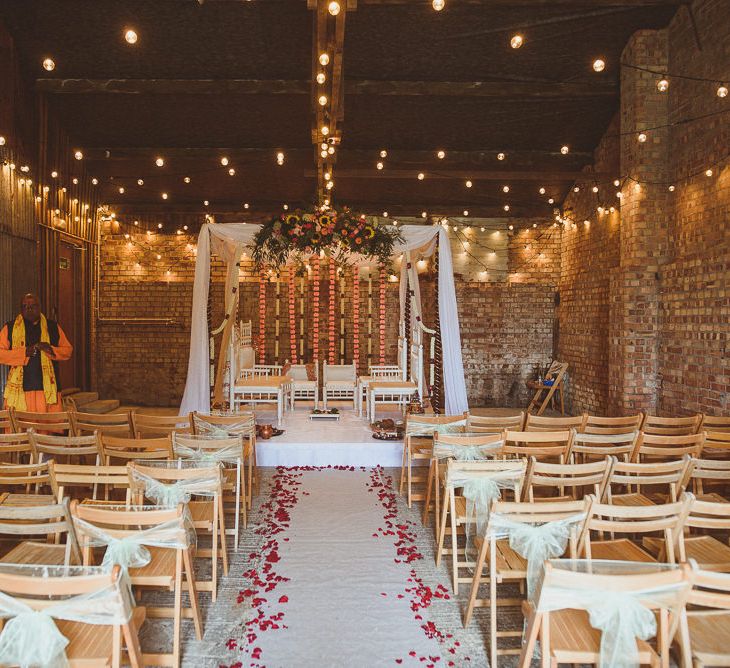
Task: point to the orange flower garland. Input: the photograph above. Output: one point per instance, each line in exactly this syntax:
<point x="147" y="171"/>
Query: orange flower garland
<point x="383" y="279"/>
<point x="332" y="313"/>
<point x="292" y="316"/>
<point x="356" y="317"/>
<point x="262" y="317"/>
<point x="315" y="309"/>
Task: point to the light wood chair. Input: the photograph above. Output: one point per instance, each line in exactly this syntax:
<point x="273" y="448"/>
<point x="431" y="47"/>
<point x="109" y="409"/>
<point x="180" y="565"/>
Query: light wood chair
<point x="64" y="448"/>
<point x="552" y="390"/>
<point x="717" y="445"/>
<point x="541" y="423"/>
<point x="418" y="445"/>
<point x="714" y="472"/>
<point x="576" y="478"/>
<point x="551" y="445"/>
<point x="464" y="447"/>
<point x="164" y="572"/>
<point x="7" y="424"/>
<point x="494" y="423"/>
<point x="243" y="424"/>
<point x="207" y="510"/>
<point x="112" y="424"/>
<point x="664" y="480"/>
<point x="28" y="484"/>
<point x="53" y="423"/>
<point x="81" y="476"/>
<point x="590" y="447"/>
<point x="506" y="565"/>
<point x="376" y="373"/>
<point x="708" y="619"/>
<point x="595" y="424"/>
<point x="566" y="633"/>
<point x="714" y="423"/>
<point x="89" y="644"/>
<point x="230" y="452"/>
<point x="626" y="522"/>
<point x="15" y="448"/>
<point x="301" y="386"/>
<point x="455" y="511"/>
<point x="662" y="447"/>
<point x="118" y="450"/>
<point x="52" y="522"/>
<point x="339" y="381"/>
<point x="671" y="426"/>
<point x="155" y="426"/>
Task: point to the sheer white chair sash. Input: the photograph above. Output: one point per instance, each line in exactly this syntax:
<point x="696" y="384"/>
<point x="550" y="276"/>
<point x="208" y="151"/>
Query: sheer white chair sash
<point x="414" y="428"/>
<point x="534" y="542"/>
<point x="30" y="638"/>
<point x="212" y="430"/>
<point x="181" y="491"/>
<point x="466" y="453"/>
<point x="231" y="454"/>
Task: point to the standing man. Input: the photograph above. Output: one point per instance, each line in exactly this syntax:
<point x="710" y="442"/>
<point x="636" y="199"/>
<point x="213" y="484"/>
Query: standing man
<point x="32" y="346"/>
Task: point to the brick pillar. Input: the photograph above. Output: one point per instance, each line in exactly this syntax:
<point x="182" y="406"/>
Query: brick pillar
<point x="645" y="220"/>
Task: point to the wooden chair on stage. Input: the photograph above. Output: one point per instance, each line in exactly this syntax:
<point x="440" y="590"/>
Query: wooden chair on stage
<point x="111" y="424"/>
<point x="595" y="424"/>
<point x="301" y="386"/>
<point x="15" y="448"/>
<point x="552" y="388"/>
<point x="551" y="445"/>
<point x="671" y="426"/>
<point x="339" y="381"/>
<point x="58" y="423"/>
<point x="376" y="373"/>
<point x="154" y="426"/>
<point x="664" y="481"/>
<point x="541" y="423"/>
<point x="708" y="620"/>
<point x="591" y="447"/>
<point x="492" y="424"/>
<point x="575" y="479"/>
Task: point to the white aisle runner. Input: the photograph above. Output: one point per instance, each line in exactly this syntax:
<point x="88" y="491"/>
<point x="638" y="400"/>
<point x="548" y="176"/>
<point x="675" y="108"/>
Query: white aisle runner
<point x="334" y="583"/>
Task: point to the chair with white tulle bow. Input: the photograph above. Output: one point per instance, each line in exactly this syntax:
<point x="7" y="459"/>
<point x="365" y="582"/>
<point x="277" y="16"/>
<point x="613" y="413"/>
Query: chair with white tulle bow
<point x="479" y="483"/>
<point x="606" y="613"/>
<point x="708" y="619"/>
<point x="155" y="546"/>
<point x="230" y="453"/>
<point x="555" y="482"/>
<point x="199" y="485"/>
<point x="519" y="537"/>
<point x="617" y="530"/>
<point x="462" y="447"/>
<point x="60" y="616"/>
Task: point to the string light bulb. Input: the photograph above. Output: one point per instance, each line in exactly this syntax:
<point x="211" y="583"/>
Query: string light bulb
<point x="121" y="190"/>
<point x="438" y="5"/>
<point x="421" y="176"/>
<point x="140" y="182"/>
<point x="722" y="91"/>
<point x="231" y="172"/>
<point x="164" y="195"/>
<point x="564" y="149"/>
<point x="334" y="8"/>
<point x="324" y="59"/>
<point x="327" y="176"/>
<point x="379" y="165"/>
<point x="159" y="161"/>
<point x="280" y="158"/>
<point x="501" y="156"/>
<point x="325" y="130"/>
<point x="423" y="214"/>
<point x="468" y="184"/>
<point x="516" y="41"/>
<point x="186" y="179"/>
<point x="322" y="100"/>
<point x="49" y="65"/>
<point x="331" y="150"/>
<point x="321" y="78"/>
<point x="708" y="172"/>
<point x="542" y="191"/>
<point x="330" y="185"/>
<point x="466" y="213"/>
<point x="224" y="161"/>
<point x="95" y="181"/>
<point x="641" y="137"/>
<point x="599" y="65"/>
<point x="78" y="155"/>
<point x="662" y="85"/>
<point x="2" y="140"/>
<point x="206" y="202"/>
<point x="383" y="153"/>
<point x="671" y="189"/>
<point x="505" y="189"/>
<point x="506" y="207"/>
<point x="323" y="153"/>
<point x="616" y="182"/>
<point x="245" y="205"/>
<point x="130" y="36"/>
<point x="441" y="155"/>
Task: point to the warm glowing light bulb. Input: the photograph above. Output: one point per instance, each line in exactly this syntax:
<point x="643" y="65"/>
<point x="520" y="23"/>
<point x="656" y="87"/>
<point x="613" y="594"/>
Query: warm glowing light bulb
<point x="325" y="130"/>
<point x="49" y="65"/>
<point x="441" y="155"/>
<point x="245" y="205"/>
<point x="231" y="172"/>
<point x="327" y="176"/>
<point x="95" y="181"/>
<point x="54" y="174"/>
<point x="331" y="150"/>
<point x="506" y="207"/>
<point x="321" y="78"/>
<point x="542" y="191"/>
<point x="722" y="91"/>
<point x="224" y="161"/>
<point x="75" y="181"/>
<point x="78" y="155"/>
<point x="159" y="162"/>
<point x="423" y="214"/>
<point x="334" y="8"/>
<point x="616" y="182"/>
<point x="130" y="36"/>
<point x="708" y="172"/>
<point x="2" y="140"/>
<point x="140" y="182"/>
<point x="186" y="179"/>
<point x="164" y="195"/>
<point x="671" y="189"/>
<point x="421" y="176"/>
<point x="438" y="5"/>
<point x="501" y="156"/>
<point x="280" y="158"/>
<point x="468" y="184"/>
<point x="642" y="137"/>
<point x="516" y="41"/>
<point x="330" y="185"/>
<point x="599" y="65"/>
<point x="323" y="154"/>
<point x="564" y="150"/>
<point x="551" y="201"/>
<point x="383" y="153"/>
<point x="505" y="189"/>
<point x="121" y="190"/>
<point x="322" y="100"/>
<point x="594" y="189"/>
<point x="324" y="59"/>
<point x="379" y="165"/>
<point x="662" y="85"/>
<point x="206" y="202"/>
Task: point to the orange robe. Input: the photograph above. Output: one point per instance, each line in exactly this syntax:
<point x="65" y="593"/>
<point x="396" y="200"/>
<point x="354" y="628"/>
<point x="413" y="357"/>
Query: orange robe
<point x="34" y="401"/>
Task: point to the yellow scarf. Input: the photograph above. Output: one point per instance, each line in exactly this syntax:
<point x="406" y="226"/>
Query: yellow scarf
<point x="14" y="393"/>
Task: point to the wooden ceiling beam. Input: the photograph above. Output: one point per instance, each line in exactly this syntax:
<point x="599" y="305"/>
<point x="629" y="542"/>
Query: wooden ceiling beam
<point x="473" y="175"/>
<point x="489" y="89"/>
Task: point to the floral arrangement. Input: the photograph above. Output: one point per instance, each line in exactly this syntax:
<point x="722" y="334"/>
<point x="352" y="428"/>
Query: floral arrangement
<point x="338" y="233"/>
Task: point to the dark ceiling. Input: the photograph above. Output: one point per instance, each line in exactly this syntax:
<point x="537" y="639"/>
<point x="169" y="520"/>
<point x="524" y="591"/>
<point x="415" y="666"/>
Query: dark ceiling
<point x="233" y="78"/>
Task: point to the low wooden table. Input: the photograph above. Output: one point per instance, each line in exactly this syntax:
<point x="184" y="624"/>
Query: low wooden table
<point x="263" y="390"/>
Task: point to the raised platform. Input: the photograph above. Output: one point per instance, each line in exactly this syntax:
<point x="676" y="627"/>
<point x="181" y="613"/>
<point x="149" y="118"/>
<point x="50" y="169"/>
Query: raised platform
<point x="345" y="442"/>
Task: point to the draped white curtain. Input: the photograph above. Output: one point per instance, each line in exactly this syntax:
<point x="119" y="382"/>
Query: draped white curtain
<point x="228" y="241"/>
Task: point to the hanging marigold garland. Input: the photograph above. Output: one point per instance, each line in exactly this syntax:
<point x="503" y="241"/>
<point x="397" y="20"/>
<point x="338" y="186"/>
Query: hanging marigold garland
<point x="370" y="319"/>
<point x="343" y="285"/>
<point x="356" y="318"/>
<point x="277" y="318"/>
<point x="262" y="316"/>
<point x="292" y="315"/>
<point x="301" y="317"/>
<point x="383" y="279"/>
<point x="315" y="309"/>
<point x="331" y="356"/>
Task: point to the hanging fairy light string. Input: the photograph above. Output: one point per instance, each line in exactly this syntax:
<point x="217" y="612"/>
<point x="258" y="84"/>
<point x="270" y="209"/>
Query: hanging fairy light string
<point x="383" y="286"/>
<point x="356" y="317"/>
<point x="292" y="313"/>
<point x="315" y="308"/>
<point x="331" y="329"/>
<point x="263" y="280"/>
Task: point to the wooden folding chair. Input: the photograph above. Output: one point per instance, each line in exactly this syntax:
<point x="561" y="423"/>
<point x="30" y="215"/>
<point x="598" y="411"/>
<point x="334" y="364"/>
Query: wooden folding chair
<point x="595" y="424"/>
<point x="715" y="423"/>
<point x="90" y="643"/>
<point x="7" y="424"/>
<point x="671" y="426"/>
<point x="45" y="423"/>
<point x="717" y="445"/>
<point x="662" y="447"/>
<point x="553" y="388"/>
<point x="708" y="619"/>
<point x="28" y="484"/>
<point x="417" y="446"/>
<point x="117" y="450"/>
<point x="624" y="521"/>
<point x="494" y="423"/>
<point x="541" y="423"/>
<point x="155" y="426"/>
<point x="576" y="478"/>
<point x="565" y="628"/>
<point x="62" y="449"/>
<point x="664" y="480"/>
<point x="507" y="565"/>
<point x="551" y="445"/>
<point x="112" y="424"/>
<point x="208" y="515"/>
<point x="590" y="447"/>
<point x="52" y="521"/>
<point x="15" y="448"/>
<point x="230" y="453"/>
<point x="83" y="476"/>
<point x="164" y="571"/>
<point x="510" y="473"/>
<point x="243" y="424"/>
<point x="464" y="446"/>
<point x="714" y="472"/>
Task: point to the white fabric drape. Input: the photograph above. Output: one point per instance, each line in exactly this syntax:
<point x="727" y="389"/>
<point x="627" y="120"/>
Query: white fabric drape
<point x="227" y="240"/>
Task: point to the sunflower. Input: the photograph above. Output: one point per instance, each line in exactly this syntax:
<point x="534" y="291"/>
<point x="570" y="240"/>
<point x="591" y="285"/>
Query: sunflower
<point x="369" y="232"/>
<point x="292" y="219"/>
<point x="325" y="220"/>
